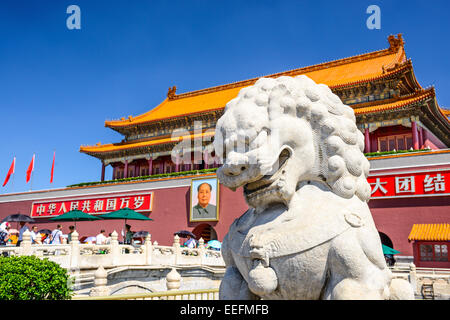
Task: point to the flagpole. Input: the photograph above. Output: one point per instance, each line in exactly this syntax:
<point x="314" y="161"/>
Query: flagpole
<point x="11" y="171"/>
<point x="13" y="175"/>
<point x="32" y="171"/>
<point x="53" y="167"/>
<point x="12" y="182"/>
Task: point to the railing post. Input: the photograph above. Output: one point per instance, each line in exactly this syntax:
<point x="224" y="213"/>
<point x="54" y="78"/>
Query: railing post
<point x="148" y="249"/>
<point x="26" y="244"/>
<point x="202" y="249"/>
<point x="176" y="248"/>
<point x="38" y="239"/>
<point x="115" y="250"/>
<point x="413" y="277"/>
<point x="100" y="282"/>
<point x="201" y="243"/>
<point x="74" y="250"/>
<point x="173" y="280"/>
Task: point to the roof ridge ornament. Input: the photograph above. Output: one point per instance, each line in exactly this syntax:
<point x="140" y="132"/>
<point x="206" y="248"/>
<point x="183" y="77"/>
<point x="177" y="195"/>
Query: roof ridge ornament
<point x="395" y="43"/>
<point x="172" y="92"/>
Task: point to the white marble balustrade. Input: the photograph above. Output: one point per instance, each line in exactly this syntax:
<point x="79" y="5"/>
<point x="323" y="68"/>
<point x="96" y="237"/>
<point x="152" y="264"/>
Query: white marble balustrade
<point x="87" y="256"/>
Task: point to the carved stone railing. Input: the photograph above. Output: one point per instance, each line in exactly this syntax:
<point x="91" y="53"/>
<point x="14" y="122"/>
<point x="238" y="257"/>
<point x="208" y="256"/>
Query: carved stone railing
<point x="89" y="256"/>
<point x="438" y="278"/>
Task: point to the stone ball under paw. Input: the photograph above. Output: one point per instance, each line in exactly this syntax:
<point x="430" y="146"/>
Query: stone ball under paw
<point x="262" y="280"/>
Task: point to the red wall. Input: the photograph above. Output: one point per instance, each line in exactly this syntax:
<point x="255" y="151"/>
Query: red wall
<point x="395" y="217"/>
<point x="170" y="214"/>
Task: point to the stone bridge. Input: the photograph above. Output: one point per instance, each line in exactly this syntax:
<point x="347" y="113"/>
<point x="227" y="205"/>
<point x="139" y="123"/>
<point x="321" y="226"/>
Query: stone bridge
<point x="120" y="269"/>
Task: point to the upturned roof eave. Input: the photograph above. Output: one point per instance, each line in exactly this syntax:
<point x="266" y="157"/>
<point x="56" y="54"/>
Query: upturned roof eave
<point x="122" y="126"/>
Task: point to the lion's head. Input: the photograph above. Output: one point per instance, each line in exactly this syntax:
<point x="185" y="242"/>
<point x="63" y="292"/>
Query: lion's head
<point x="281" y="132"/>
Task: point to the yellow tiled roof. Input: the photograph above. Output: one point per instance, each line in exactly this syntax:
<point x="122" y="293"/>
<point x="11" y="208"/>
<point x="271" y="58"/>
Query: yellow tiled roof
<point x="336" y="73"/>
<point x="131" y="145"/>
<point x="403" y="101"/>
<point x="430" y="232"/>
<point x="371" y="107"/>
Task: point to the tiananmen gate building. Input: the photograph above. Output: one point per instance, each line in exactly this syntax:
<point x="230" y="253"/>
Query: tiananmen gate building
<point x="407" y="139"/>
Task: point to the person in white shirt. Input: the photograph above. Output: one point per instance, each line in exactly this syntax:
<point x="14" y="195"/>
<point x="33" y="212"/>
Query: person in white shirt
<point x="101" y="239"/>
<point x="23" y="228"/>
<point x="190" y="243"/>
<point x="56" y="236"/>
<point x="34" y="233"/>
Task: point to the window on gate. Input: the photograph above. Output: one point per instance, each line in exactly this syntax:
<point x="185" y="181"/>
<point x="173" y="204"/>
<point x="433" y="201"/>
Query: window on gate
<point x="397" y="142"/>
<point x="440" y="252"/>
<point x="426" y="252"/>
<point x="119" y="174"/>
<point x="144" y="172"/>
<point x="433" y="252"/>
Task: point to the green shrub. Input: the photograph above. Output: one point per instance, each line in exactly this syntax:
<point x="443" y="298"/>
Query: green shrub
<point x="30" y="278"/>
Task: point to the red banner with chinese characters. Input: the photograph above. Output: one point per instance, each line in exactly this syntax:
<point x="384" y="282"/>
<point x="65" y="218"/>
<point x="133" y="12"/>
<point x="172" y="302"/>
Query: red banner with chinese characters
<point x="411" y="184"/>
<point x="93" y="205"/>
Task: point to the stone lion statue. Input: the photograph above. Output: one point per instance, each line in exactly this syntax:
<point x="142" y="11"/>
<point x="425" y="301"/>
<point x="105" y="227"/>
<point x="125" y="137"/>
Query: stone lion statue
<point x="295" y="149"/>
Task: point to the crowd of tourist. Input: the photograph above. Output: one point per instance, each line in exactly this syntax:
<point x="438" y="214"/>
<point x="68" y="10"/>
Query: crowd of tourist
<point x="56" y="236"/>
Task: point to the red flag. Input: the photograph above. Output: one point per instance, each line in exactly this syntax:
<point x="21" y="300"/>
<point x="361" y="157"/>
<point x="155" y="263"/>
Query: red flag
<point x="10" y="172"/>
<point x="53" y="168"/>
<point x="30" y="169"/>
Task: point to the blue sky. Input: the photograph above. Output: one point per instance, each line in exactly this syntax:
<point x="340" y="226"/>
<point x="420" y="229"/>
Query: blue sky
<point x="58" y="86"/>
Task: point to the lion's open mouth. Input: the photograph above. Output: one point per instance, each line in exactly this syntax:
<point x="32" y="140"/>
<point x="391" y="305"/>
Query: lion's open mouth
<point x="268" y="182"/>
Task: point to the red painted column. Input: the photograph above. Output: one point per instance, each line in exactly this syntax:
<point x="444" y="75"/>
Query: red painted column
<point x="177" y="163"/>
<point x="150" y="166"/>
<point x="103" y="172"/>
<point x="420" y="137"/>
<point x="414" y="135"/>
<point x="125" y="170"/>
<point x="367" y="140"/>
<point x="424" y="137"/>
<point x="206" y="159"/>
<point x="373" y="143"/>
<point x="137" y="170"/>
<point x="190" y="163"/>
